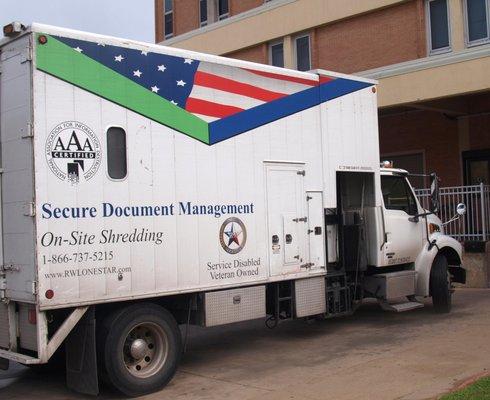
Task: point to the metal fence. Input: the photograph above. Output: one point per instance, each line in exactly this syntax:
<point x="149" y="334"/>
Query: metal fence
<point x="475" y="224"/>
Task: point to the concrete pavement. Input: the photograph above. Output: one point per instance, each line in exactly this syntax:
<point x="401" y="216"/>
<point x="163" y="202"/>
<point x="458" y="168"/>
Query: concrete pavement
<point x="371" y="355"/>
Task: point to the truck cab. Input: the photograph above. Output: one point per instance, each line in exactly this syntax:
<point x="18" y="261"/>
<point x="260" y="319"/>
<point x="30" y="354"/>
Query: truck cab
<point x="415" y="257"/>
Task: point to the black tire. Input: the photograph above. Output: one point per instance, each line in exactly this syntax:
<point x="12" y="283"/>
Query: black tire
<point x="116" y="339"/>
<point x="440" y="285"/>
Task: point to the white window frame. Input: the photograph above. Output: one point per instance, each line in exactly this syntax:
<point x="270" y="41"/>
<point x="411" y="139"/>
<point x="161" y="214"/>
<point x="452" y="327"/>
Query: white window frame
<point x="220" y="17"/>
<point x="295" y="52"/>
<point x="203" y="23"/>
<point x="442" y="50"/>
<point x="165" y="13"/>
<point x="467" y="27"/>
<point x="271" y="45"/>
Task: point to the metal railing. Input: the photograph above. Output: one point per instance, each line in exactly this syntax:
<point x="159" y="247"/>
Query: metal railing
<point x="475" y="224"/>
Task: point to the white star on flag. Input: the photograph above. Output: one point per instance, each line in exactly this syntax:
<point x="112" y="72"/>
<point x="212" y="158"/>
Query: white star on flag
<point x="174" y="102"/>
<point x="119" y="58"/>
<point x="137" y="73"/>
<point x="155" y="89"/>
<point x="144" y="53"/>
<point x="180" y="83"/>
<point x="101" y="44"/>
<point x="78" y="49"/>
<point x="188" y="61"/>
<point x="162" y="68"/>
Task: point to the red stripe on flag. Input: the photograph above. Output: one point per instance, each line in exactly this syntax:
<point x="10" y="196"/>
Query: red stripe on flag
<point x="209" y="108"/>
<point x="231" y="86"/>
<point x="325" y="79"/>
<point x="284" y="77"/>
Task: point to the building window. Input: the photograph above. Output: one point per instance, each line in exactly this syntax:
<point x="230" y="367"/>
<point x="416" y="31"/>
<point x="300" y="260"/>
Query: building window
<point x="203" y="12"/>
<point x="276" y="54"/>
<point x="169" y="19"/>
<point x="223" y="9"/>
<point x="116" y="153"/>
<point x="438" y="26"/>
<point x="477" y="25"/>
<point x="303" y="56"/>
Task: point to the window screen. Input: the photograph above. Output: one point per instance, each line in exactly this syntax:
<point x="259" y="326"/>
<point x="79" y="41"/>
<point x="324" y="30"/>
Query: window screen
<point x="397" y="194"/>
<point x="303" y="53"/>
<point x="116" y="153"/>
<point x="169" y="19"/>
<point x="222" y="9"/>
<point x="477" y="20"/>
<point x="277" y="54"/>
<point x="203" y="12"/>
<point x="439" y="27"/>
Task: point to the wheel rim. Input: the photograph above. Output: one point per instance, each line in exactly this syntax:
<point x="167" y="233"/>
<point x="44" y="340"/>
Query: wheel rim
<point x="145" y="349"/>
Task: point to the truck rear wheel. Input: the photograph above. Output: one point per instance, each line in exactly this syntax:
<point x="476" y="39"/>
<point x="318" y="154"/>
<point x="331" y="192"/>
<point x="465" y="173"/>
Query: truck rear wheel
<point x="440" y="285"/>
<point x="139" y="349"/>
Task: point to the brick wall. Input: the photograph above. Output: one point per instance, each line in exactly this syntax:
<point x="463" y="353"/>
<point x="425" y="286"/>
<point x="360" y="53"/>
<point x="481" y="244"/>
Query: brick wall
<point x="239" y="6"/>
<point x="186" y="16"/>
<point x="158" y="21"/>
<point x="479" y="127"/>
<point x="380" y="38"/>
<point x="430" y="132"/>
<point x="258" y="54"/>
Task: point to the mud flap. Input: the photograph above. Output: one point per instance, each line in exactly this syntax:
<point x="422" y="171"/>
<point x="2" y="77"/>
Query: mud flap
<point x="81" y="356"/>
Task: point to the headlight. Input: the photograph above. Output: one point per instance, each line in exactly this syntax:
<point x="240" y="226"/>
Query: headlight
<point x="433" y="228"/>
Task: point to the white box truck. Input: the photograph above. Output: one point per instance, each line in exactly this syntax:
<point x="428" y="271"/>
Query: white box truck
<point x="146" y="187"/>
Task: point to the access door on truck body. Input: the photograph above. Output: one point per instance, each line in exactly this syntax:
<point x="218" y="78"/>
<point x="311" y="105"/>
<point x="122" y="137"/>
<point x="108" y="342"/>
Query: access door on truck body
<point x="287" y="217"/>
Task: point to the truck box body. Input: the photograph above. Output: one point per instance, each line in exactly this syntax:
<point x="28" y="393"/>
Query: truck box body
<point x="200" y="196"/>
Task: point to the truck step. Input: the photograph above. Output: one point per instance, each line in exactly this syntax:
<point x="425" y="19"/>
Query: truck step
<point x="400" y="307"/>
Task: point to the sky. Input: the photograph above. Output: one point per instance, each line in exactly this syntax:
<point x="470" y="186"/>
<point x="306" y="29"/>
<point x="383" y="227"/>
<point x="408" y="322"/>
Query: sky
<point x="130" y="19"/>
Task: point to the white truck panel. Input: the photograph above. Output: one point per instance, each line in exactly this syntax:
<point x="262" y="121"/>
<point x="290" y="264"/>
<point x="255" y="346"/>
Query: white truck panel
<point x="76" y="262"/>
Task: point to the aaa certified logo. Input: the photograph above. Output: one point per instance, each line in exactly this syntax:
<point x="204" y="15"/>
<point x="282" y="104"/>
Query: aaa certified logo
<point x="233" y="235"/>
<point x="73" y="152"/>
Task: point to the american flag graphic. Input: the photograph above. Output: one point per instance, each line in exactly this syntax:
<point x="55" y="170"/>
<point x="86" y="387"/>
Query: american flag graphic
<point x="208" y="90"/>
<point x="217" y="101"/>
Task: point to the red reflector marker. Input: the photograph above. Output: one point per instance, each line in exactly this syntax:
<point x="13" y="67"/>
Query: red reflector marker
<point x="49" y="294"/>
<point x="31" y="316"/>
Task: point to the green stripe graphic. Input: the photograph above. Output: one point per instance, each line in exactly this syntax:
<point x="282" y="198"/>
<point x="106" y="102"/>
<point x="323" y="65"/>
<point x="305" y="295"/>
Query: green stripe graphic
<point x="60" y="60"/>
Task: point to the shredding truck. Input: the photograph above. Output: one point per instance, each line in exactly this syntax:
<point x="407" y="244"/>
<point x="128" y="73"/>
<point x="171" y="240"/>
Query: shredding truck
<point x="146" y="188"/>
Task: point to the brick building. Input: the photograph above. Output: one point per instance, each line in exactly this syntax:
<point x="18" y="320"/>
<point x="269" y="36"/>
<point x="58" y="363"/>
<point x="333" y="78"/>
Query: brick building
<point x="431" y="57"/>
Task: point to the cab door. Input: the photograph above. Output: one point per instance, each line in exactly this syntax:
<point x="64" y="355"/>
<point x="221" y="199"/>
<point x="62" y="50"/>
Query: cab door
<point x="404" y="231"/>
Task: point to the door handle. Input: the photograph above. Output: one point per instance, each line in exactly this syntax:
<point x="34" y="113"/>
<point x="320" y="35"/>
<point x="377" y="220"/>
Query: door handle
<point x="415" y="219"/>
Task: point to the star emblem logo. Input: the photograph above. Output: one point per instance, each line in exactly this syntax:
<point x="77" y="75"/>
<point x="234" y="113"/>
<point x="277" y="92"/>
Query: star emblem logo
<point x="233" y="235"/>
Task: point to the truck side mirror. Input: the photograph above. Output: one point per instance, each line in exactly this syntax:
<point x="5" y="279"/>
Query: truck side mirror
<point x="461" y="209"/>
<point x="434" y="193"/>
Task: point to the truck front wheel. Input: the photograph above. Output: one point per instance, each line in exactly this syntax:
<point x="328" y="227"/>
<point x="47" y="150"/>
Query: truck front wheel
<point x="139" y="349"/>
<point x="440" y="285"/>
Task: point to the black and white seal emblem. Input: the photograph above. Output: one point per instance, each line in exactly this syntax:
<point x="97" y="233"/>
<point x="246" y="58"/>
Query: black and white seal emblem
<point x="73" y="152"/>
<point x="233" y="235"/>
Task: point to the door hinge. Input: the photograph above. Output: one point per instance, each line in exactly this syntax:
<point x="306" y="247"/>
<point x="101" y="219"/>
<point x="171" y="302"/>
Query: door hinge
<point x="297" y="257"/>
<point x="26" y="55"/>
<point x="308" y="198"/>
<point x="307" y="265"/>
<point x="9" y="268"/>
<point x="34" y="287"/>
<point x="27" y="132"/>
<point x="30" y="209"/>
<point x="304" y="219"/>
<point x="302" y="172"/>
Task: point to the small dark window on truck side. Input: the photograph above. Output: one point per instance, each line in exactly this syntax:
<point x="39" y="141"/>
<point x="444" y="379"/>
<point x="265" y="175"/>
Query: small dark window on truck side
<point x="116" y="153"/>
